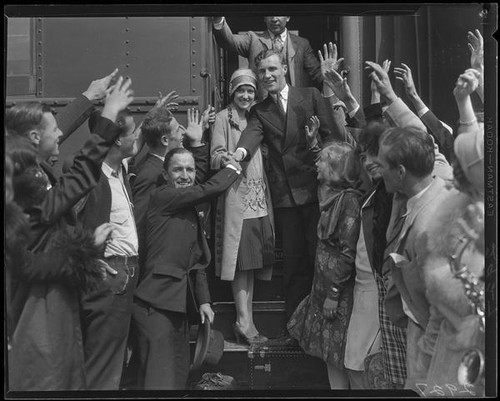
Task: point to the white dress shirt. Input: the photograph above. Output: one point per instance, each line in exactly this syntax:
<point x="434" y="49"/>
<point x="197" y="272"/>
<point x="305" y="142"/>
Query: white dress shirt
<point x="124" y="240"/>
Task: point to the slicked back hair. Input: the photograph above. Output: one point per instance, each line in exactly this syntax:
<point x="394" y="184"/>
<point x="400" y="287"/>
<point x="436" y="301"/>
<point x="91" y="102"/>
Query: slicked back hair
<point x="410" y="147"/>
<point x="268" y="53"/>
<point x="22" y="118"/>
<point x="155" y="125"/>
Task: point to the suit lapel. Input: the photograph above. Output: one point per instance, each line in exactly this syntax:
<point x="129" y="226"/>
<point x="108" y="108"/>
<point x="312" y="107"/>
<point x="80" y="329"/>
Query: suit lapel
<point x="367" y="226"/>
<point x="294" y="101"/>
<point x="291" y="45"/>
<point x="269" y="112"/>
<point x="266" y="40"/>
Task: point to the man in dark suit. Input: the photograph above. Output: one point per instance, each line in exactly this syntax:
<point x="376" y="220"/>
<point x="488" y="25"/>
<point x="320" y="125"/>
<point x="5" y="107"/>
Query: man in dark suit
<point x="173" y="284"/>
<point x="303" y="68"/>
<point x="291" y="169"/>
<point x="162" y="133"/>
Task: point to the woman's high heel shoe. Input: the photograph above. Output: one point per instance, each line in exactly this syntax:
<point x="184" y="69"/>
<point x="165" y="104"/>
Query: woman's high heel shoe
<point x="243" y="338"/>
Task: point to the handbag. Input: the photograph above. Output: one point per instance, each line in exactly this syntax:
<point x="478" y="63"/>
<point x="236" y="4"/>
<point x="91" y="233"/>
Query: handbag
<point x="374" y="376"/>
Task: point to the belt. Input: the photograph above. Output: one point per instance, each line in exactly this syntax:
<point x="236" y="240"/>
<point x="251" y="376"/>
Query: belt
<point x="124" y="259"/>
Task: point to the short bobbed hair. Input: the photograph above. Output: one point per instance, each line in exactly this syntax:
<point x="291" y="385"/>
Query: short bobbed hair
<point x="342" y="159"/>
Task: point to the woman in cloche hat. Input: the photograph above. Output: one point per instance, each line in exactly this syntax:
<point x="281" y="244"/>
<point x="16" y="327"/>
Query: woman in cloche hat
<point x="244" y="224"/>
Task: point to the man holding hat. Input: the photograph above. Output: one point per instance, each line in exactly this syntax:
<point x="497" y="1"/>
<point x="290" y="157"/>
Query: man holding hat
<point x="173" y="284"/>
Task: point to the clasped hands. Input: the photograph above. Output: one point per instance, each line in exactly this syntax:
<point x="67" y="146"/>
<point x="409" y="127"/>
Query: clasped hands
<point x="232" y="159"/>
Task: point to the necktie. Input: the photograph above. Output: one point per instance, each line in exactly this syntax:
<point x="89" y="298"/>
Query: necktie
<point x="278" y="43"/>
<point x="280" y="106"/>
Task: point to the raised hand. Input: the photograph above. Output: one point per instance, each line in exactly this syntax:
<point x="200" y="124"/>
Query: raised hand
<point x="338" y="84"/>
<point x="208" y="117"/>
<point x="475" y="44"/>
<point x="404" y="74"/>
<point x="194" y="130"/>
<point x="118" y="98"/>
<point x="329" y="60"/>
<point x="466" y="83"/>
<point x="167" y="101"/>
<point x="99" y="88"/>
<point x="381" y="80"/>
<point x="312" y="129"/>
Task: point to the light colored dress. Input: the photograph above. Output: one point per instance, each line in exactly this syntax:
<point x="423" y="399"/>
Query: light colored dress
<point x="363" y="333"/>
<point x="247" y="200"/>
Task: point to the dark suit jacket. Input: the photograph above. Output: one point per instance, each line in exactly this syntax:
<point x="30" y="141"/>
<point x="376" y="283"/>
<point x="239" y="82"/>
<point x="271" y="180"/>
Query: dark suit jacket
<point x="376" y="207"/>
<point x="303" y="65"/>
<point x="443" y="137"/>
<point x="68" y="120"/>
<point x="97" y="207"/>
<point x="81" y="177"/>
<point x="176" y="243"/>
<point x="144" y="183"/>
<point x="291" y="171"/>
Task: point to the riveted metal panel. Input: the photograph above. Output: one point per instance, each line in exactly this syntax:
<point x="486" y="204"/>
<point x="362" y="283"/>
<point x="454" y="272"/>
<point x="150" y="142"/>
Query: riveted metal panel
<point x="158" y="53"/>
<point x="76" y="51"/>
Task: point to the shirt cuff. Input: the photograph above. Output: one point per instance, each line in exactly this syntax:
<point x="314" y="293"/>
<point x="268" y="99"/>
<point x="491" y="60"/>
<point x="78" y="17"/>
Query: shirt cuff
<point x="421" y="112"/>
<point x="244" y="151"/>
<point x="327" y="91"/>
<point x="219" y="25"/>
<point x="353" y="112"/>
<point x="232" y="167"/>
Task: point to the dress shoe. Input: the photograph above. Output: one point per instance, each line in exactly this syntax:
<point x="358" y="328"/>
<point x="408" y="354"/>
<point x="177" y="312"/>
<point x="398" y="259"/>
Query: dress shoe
<point x="284" y="339"/>
<point x="241" y="337"/>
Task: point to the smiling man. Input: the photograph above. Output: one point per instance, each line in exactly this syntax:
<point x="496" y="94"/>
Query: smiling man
<point x="279" y="121"/>
<point x="173" y="284"/>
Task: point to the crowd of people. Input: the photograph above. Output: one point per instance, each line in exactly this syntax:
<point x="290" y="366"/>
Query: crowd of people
<point x="380" y="211"/>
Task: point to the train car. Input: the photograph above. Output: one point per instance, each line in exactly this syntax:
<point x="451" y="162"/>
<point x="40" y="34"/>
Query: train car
<point x="53" y="53"/>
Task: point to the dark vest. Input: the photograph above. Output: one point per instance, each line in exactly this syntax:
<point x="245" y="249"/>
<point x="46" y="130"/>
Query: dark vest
<point x="97" y="207"/>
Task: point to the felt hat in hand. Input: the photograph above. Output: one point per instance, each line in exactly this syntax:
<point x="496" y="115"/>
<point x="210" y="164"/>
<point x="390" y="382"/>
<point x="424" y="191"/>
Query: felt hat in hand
<point x="209" y="346"/>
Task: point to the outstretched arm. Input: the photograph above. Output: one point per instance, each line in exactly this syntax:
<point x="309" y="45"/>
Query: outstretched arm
<point x="465" y="85"/>
<point x="75" y="113"/>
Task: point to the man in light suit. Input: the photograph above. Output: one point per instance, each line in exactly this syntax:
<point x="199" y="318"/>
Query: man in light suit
<point x="291" y="171"/>
<point x="406" y="157"/>
<point x="303" y="67"/>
